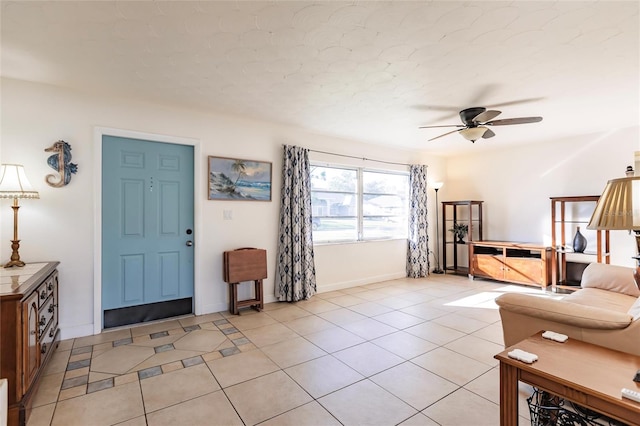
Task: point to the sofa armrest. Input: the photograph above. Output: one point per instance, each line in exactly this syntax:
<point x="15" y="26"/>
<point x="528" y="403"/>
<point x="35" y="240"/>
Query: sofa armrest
<point x="563" y="312"/>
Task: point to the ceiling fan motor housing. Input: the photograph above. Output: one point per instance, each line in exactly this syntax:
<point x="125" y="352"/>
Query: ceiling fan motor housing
<point x="467" y="115"/>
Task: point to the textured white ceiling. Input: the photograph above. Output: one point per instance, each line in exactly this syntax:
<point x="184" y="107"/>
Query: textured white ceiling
<point x="369" y="71"/>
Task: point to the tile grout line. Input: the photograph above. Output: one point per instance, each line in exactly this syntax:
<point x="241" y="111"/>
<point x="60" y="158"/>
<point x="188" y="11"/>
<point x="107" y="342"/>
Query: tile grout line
<point x="199" y="359"/>
<point x="148" y="372"/>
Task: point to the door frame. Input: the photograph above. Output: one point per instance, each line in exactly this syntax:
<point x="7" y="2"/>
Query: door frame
<point x="198" y="189"/>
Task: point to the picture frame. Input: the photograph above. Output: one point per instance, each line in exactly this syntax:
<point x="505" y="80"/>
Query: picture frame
<point x="237" y="179"/>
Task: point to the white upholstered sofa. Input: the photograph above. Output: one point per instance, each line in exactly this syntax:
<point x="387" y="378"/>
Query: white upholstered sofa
<point x="600" y="312"/>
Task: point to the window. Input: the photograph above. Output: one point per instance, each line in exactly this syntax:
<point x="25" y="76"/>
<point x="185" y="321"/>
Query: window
<point x="385" y="199"/>
<point x="354" y="204"/>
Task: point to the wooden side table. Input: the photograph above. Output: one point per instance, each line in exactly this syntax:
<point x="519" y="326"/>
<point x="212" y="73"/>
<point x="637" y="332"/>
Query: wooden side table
<point x="589" y="375"/>
<point x="246" y="264"/>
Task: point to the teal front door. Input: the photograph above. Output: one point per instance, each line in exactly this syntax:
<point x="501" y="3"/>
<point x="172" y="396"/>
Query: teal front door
<point x="147" y="230"/>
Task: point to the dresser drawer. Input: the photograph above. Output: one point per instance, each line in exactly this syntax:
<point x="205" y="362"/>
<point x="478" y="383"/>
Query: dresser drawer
<point x="47" y="338"/>
<point x="46" y="314"/>
<point x="47" y="288"/>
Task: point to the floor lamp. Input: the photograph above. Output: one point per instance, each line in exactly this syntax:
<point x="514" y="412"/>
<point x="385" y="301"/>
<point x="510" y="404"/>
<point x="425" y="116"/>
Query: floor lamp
<point x="437" y="270"/>
<point x="14" y="184"/>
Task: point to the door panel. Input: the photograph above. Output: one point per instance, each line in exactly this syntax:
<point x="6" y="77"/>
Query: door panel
<point x="169" y="274"/>
<point x="169" y="210"/>
<point x="132" y="208"/>
<point x="147" y="207"/>
<point x="132" y="268"/>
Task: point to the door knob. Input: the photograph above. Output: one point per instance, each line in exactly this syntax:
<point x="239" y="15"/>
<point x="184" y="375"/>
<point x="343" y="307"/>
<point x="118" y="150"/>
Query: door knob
<point x="189" y="243"/>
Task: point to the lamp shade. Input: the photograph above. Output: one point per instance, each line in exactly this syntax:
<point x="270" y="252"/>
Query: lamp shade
<point x="437" y="185"/>
<point x="14" y="182"/>
<point x="619" y="206"/>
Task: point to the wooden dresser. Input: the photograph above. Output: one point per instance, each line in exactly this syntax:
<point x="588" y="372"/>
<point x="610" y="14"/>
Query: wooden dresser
<point x="28" y="331"/>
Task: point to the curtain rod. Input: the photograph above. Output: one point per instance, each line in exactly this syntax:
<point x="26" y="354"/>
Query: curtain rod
<point x="359" y="158"/>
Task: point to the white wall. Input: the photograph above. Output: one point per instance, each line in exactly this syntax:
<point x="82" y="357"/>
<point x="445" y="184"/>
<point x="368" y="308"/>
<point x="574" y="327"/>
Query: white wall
<point x="515" y="184"/>
<point x="60" y="225"/>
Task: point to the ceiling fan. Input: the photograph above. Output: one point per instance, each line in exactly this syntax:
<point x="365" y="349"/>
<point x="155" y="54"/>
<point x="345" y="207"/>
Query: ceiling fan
<point x="475" y="121"/>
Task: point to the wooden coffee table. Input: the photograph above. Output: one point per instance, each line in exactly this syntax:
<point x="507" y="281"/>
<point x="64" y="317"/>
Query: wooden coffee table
<point x="589" y="375"/>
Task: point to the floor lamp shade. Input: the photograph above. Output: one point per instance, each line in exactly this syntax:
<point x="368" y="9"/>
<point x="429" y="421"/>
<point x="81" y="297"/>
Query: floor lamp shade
<point x="14" y="184"/>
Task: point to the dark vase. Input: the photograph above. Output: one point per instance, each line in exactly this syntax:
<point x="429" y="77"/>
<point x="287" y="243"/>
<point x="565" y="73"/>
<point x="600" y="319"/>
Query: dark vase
<point x="579" y="242"/>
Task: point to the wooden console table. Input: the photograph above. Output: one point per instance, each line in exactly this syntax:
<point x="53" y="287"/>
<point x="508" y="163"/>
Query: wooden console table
<point x="521" y="263"/>
<point x="589" y="375"/>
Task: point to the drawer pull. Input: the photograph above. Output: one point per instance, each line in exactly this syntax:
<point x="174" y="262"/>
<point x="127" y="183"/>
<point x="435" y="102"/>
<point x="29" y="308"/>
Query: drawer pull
<point x="51" y="308"/>
<point x="43" y="320"/>
<point x="51" y="333"/>
<point x="44" y="348"/>
<point x="43" y="294"/>
<point x="50" y="286"/>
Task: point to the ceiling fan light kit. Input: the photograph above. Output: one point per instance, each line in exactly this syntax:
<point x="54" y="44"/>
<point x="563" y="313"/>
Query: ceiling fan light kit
<point x="473" y="133"/>
<point x="475" y="121"/>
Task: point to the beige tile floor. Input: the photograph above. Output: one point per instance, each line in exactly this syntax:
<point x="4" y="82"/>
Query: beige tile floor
<point x="407" y="351"/>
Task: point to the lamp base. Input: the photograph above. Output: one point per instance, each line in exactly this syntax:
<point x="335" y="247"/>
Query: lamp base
<point x="13" y="263"/>
<point x="437" y="271"/>
<point x="15" y="255"/>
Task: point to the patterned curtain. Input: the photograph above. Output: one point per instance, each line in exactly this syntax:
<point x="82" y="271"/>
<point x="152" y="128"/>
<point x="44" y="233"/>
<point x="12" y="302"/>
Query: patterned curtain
<point x="418" y="253"/>
<point x="296" y="272"/>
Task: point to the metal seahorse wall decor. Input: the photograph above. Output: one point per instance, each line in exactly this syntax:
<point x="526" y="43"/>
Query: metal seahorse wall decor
<point x="60" y="162"/>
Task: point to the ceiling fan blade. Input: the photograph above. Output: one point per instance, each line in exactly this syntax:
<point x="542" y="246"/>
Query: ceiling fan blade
<point x="486" y="116"/>
<point x="444" y="125"/>
<point x="445" y="134"/>
<point x="444" y="108"/>
<point x="488" y="134"/>
<point x="516" y="102"/>
<point x="482" y="94"/>
<point x="509" y="121"/>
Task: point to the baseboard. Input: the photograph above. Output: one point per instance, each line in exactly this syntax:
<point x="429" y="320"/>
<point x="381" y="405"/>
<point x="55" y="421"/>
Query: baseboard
<point x="213" y="308"/>
<point x="325" y="288"/>
<point x="87" y="329"/>
<point x="224" y="306"/>
<point x="77" y="331"/>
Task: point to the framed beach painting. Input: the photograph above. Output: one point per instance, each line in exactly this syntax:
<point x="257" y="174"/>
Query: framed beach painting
<point x="239" y="180"/>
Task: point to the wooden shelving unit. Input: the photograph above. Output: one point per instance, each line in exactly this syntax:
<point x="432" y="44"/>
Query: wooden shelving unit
<point x="568" y="213"/>
<point x="469" y="212"/>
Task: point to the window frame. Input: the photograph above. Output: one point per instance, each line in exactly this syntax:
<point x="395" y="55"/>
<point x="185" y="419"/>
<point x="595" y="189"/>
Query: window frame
<point x="360" y="202"/>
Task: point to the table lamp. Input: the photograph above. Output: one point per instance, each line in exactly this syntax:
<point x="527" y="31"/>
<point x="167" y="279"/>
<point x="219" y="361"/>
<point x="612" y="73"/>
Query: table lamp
<point x="618" y="208"/>
<point x="14" y="184"/>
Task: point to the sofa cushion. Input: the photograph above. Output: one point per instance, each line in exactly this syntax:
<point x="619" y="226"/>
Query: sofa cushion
<point x="610" y="277"/>
<point x="609" y="300"/>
